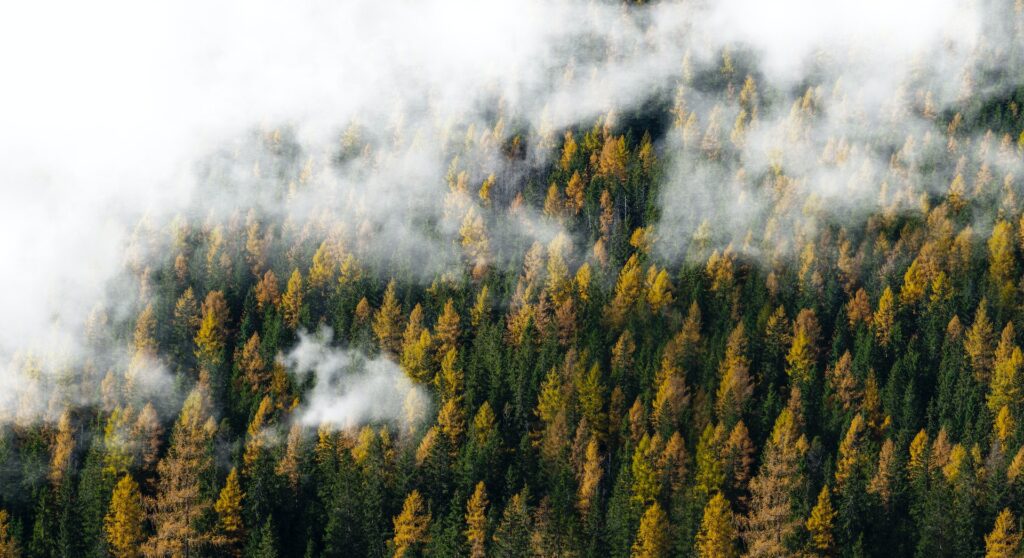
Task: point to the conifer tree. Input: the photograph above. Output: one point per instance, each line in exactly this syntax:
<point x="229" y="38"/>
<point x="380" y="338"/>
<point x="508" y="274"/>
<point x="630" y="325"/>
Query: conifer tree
<point x="230" y="529"/>
<point x="476" y="521"/>
<point x="1004" y="540"/>
<point x="771" y="523"/>
<point x="9" y="547"/>
<point x="590" y="478"/>
<point x="821" y="524"/>
<point x="736" y="386"/>
<point x="124" y="521"/>
<point x="652" y="540"/>
<point x="979" y="343"/>
<point x="386" y="324"/>
<point x="178" y="510"/>
<point x="291" y="301"/>
<point x="512" y="536"/>
<point x="447" y="330"/>
<point x="717" y="536"/>
<point x="412" y="527"/>
<point x="212" y="335"/>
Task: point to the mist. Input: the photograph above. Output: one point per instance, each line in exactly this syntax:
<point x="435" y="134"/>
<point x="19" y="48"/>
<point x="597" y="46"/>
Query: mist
<point x="350" y="388"/>
<point x="119" y="110"/>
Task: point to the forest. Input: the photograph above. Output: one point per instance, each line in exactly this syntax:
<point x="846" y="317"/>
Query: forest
<point x="627" y="336"/>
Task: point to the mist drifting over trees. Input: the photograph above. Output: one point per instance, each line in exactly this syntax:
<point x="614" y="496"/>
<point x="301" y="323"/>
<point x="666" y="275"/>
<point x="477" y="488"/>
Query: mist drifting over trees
<point x="679" y="278"/>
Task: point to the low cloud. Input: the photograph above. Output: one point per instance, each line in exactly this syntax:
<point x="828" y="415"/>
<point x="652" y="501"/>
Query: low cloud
<point x="351" y="389"/>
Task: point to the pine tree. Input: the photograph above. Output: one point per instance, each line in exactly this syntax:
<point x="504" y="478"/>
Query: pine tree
<point x="736" y="386"/>
<point x="569" y="149"/>
<point x="627" y="291"/>
<point x="885" y="316"/>
<point x="324" y="266"/>
<point x="267" y="291"/>
<point x="659" y="291"/>
<point x="800" y="360"/>
<point x="1002" y="265"/>
<point x="852" y="455"/>
<point x="63" y="449"/>
<point x="644" y="469"/>
<point x="590" y="478"/>
<point x="979" y="343"/>
<point x="738" y="458"/>
<point x="252" y="366"/>
<point x="1007" y="386"/>
<point x="267" y="545"/>
<point x="446" y="330"/>
<point x="574" y="191"/>
<point x="613" y="158"/>
<point x="710" y="473"/>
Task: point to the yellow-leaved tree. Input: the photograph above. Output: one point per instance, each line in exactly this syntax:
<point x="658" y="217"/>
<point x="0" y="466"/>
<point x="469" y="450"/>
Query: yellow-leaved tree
<point x="124" y="520"/>
<point x="230" y="529"/>
<point x="652" y="539"/>
<point x="717" y="536"/>
<point x="412" y="526"/>
<point x="1004" y="540"/>
<point x="476" y="521"/>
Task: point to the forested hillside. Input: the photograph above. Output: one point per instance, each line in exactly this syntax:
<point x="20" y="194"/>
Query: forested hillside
<point x="627" y="336"/>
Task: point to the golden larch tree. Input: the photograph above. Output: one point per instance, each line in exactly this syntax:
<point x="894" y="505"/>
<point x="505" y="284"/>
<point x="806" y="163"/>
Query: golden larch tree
<point x="63" y="449"/>
<point x="652" y="539"/>
<point x="179" y="507"/>
<point x="123" y="523"/>
<point x="980" y="343"/>
<point x="736" y="386"/>
<point x="590" y="478"/>
<point x="291" y="301"/>
<point x="717" y="536"/>
<point x="412" y="526"/>
<point x="230" y="529"/>
<point x="771" y="522"/>
<point x="820" y="525"/>
<point x="1004" y="540"/>
<point x="446" y="330"/>
<point x="476" y="521"/>
<point x="212" y="335"/>
<point x="387" y="321"/>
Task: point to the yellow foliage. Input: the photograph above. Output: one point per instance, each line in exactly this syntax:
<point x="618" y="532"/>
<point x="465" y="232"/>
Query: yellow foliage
<point x="652" y="540"/>
<point x="717" y="535"/>
<point x="1004" y="540"/>
<point x="820" y="524"/>
<point x="412" y="526"/>
<point x="124" y="520"/>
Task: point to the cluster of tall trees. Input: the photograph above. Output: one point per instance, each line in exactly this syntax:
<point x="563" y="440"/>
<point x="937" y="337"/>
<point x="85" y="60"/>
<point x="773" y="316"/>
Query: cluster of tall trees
<point x="809" y="385"/>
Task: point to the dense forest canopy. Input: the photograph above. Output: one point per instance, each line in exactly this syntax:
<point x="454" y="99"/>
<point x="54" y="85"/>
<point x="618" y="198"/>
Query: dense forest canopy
<point x="666" y="296"/>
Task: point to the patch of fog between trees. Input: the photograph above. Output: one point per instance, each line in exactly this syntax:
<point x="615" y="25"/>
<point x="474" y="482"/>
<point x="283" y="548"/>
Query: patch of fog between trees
<point x="349" y="388"/>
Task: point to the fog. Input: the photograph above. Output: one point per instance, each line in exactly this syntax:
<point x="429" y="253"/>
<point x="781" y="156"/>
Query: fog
<point x="111" y="107"/>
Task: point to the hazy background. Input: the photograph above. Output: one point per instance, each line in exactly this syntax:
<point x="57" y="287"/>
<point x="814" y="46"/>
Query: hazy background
<point x="108" y="106"/>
